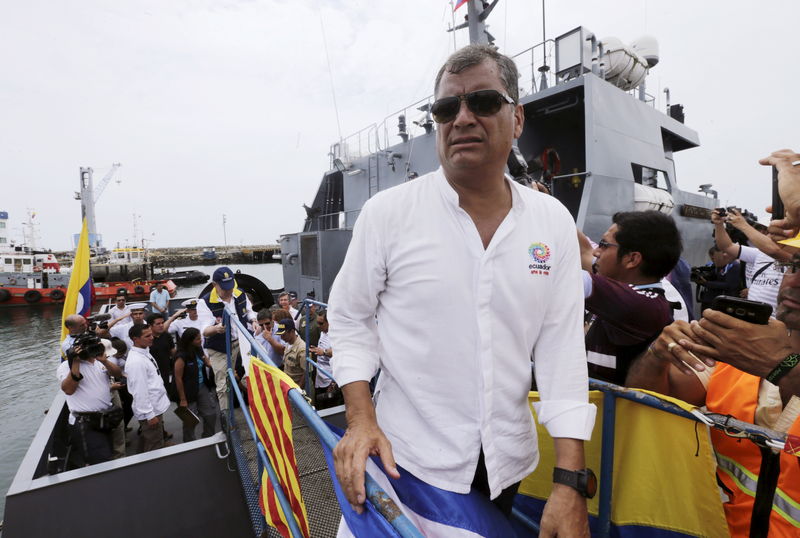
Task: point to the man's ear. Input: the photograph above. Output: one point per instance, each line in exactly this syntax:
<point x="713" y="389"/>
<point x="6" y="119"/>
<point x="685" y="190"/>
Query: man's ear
<point x="519" y="120"/>
<point x="634" y="260"/>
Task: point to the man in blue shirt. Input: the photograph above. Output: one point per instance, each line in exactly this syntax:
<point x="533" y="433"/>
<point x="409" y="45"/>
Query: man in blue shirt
<point x="159" y="298"/>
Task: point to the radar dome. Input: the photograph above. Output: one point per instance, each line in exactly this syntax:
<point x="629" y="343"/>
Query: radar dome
<point x="647" y="47"/>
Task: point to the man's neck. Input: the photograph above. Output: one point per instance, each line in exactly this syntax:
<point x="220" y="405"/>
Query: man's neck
<point x="478" y="190"/>
<point x="137" y="346"/>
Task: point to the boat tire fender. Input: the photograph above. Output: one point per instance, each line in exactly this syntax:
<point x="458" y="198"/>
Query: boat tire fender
<point x="5" y="295"/>
<point x="138" y="290"/>
<point x="32" y="296"/>
<point x="56" y="295"/>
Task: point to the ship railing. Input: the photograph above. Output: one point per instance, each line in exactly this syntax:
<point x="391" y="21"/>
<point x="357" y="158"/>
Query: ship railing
<point x="323" y="222"/>
<point x="375" y="494"/>
<point x="759" y="435"/>
<point x="355" y="146"/>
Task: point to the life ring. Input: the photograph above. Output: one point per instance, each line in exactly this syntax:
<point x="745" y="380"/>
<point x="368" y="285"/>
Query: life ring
<point x="32" y="296"/>
<point x="138" y="290"/>
<point x="57" y="295"/>
<point x="5" y="295"/>
<point x="551" y="163"/>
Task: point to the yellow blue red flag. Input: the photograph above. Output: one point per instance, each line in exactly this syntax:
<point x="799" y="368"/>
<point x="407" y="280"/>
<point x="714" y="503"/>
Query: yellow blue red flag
<point x="459" y="4"/>
<point x="272" y="415"/>
<point x="80" y="292"/>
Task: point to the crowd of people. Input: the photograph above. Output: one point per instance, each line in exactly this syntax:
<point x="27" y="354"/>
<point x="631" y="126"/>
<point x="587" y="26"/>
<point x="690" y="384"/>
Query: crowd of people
<point x="134" y="364"/>
<point x="620" y="310"/>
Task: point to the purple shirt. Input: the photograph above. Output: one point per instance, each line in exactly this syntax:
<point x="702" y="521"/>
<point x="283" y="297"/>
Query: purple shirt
<point x="625" y="321"/>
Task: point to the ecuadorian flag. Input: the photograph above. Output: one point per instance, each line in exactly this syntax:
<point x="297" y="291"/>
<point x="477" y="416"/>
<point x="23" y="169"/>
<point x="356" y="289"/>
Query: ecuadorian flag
<point x="80" y="291"/>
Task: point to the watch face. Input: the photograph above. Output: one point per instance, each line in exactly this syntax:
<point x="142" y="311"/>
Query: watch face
<point x="591" y="483"/>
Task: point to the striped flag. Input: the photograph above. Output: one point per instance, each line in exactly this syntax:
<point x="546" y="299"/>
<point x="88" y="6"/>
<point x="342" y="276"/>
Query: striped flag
<point x="459" y="4"/>
<point x="269" y="407"/>
<point x="80" y="292"/>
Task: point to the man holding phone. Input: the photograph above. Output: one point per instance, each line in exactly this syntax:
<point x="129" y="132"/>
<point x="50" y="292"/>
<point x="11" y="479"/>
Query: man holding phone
<point x="757" y="380"/>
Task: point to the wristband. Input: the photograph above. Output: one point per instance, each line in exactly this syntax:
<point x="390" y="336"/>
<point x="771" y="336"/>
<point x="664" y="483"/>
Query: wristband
<point x="783" y="368"/>
<point x="76" y="378"/>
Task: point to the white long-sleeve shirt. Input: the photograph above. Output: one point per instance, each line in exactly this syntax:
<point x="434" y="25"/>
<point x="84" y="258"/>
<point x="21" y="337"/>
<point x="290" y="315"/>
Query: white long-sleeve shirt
<point x="145" y="384"/>
<point x="457" y="326"/>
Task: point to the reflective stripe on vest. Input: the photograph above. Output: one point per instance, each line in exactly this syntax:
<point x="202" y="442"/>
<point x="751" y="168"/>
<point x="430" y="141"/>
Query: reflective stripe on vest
<point x="747" y="482"/>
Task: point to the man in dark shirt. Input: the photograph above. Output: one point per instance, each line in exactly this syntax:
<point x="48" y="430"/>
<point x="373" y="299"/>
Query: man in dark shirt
<point x="623" y="290"/>
<point x="725" y="278"/>
<point x="163" y="347"/>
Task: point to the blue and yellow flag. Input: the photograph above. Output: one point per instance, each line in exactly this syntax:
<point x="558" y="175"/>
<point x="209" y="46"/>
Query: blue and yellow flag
<point x="80" y="291"/>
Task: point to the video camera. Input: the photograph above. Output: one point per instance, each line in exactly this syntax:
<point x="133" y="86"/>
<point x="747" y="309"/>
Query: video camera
<point x="98" y="321"/>
<point x="90" y="346"/>
<point x="701" y="274"/>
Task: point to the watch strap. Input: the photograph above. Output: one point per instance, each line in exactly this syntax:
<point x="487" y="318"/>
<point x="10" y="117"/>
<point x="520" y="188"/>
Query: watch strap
<point x="76" y="377"/>
<point x="568" y="478"/>
<point x="783" y="368"/>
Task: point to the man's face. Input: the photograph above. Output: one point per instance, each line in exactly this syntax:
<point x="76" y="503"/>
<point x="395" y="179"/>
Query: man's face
<point x="266" y="325"/>
<point x="158" y="327"/>
<point x="289" y="336"/>
<point x="720" y="259"/>
<point x="159" y="287"/>
<point x="283" y="300"/>
<point x="606" y="262"/>
<point x="223" y="294"/>
<point x="469" y="140"/>
<point x="145" y="340"/>
<point x="120" y="302"/>
<point x="137" y="317"/>
<point x="789" y="300"/>
<point x="322" y="323"/>
<point x="81" y="326"/>
<point x="192" y="313"/>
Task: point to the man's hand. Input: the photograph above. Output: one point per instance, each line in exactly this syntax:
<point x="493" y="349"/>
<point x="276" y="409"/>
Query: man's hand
<point x="716" y="218"/>
<point x="350" y="459"/>
<point x="781" y="229"/>
<point x="587" y="251"/>
<point x="183" y="403"/>
<point x="153" y="422"/>
<point x="565" y="513"/>
<point x="752" y="348"/>
<point x="788" y="182"/>
<point x="673" y="345"/>
<point x="362" y="439"/>
<point x="736" y="219"/>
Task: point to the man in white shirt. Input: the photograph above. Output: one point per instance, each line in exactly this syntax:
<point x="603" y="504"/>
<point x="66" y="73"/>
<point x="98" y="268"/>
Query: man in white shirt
<point x="85" y="380"/>
<point x="159" y="299"/>
<point x="120" y="326"/>
<point x="120" y="307"/>
<point x="150" y="400"/>
<point x="177" y="324"/>
<point x="223" y="296"/>
<point x="451" y="403"/>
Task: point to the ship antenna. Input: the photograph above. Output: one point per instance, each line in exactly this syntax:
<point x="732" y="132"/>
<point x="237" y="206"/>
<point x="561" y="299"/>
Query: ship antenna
<point x="544" y="68"/>
<point x="330" y="72"/>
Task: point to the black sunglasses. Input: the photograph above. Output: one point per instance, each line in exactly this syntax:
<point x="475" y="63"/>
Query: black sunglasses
<point x="605" y="244"/>
<point x="480" y="103"/>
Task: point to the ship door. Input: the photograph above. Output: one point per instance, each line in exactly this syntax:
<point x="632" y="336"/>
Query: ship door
<point x="17" y="265"/>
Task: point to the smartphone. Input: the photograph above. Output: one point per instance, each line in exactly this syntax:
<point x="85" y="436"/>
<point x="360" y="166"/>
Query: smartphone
<point x="750" y="311"/>
<point x="777" y="203"/>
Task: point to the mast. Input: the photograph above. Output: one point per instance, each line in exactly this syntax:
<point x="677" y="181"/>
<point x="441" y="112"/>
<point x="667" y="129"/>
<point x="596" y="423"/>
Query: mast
<point x="477" y="12"/>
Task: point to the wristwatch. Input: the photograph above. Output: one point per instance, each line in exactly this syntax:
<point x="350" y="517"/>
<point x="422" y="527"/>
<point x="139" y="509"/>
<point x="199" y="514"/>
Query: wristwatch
<point x="76" y="378"/>
<point x="582" y="480"/>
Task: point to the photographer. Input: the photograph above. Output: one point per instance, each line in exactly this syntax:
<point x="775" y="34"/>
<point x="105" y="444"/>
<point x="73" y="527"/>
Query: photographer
<point x="85" y="380"/>
<point x="722" y="277"/>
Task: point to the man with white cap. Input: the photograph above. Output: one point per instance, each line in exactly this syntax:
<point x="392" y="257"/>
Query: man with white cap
<point x="184" y="318"/>
<point x="119" y="327"/>
<point x="225" y="295"/>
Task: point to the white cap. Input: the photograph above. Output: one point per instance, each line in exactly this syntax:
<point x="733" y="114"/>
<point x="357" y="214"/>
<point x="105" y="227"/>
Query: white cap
<point x="137" y="306"/>
<point x="189" y="302"/>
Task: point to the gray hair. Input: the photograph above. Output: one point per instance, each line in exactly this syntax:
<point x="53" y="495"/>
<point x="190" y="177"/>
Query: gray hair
<point x="472" y="55"/>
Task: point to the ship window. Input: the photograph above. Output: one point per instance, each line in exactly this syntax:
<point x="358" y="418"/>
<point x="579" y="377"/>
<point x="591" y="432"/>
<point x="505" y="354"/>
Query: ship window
<point x="2" y="239"/>
<point x="650" y="177"/>
<point x="309" y="256"/>
<point x="26" y="262"/>
<point x="9" y="261"/>
<point x="2" y="224"/>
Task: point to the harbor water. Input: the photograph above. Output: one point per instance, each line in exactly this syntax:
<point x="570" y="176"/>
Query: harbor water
<point x="29" y="358"/>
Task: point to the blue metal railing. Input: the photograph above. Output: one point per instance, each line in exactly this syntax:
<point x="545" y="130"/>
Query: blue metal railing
<point x="375" y="494"/>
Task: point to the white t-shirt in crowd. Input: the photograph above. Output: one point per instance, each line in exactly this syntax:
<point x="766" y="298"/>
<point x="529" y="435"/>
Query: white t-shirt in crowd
<point x="765" y="286"/>
<point x="93" y="392"/>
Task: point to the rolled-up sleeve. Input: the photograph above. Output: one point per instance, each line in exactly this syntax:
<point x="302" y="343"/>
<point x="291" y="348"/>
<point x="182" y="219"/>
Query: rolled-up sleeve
<point x="560" y="354"/>
<point x="353" y="302"/>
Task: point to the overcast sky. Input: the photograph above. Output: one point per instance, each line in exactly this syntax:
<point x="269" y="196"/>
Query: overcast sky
<point x="219" y="107"/>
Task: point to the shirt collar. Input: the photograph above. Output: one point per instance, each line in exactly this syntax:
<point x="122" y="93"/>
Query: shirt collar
<point x="451" y="196"/>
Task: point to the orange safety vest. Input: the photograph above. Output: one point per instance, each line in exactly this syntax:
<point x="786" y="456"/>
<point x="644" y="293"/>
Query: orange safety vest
<point x="733" y="392"/>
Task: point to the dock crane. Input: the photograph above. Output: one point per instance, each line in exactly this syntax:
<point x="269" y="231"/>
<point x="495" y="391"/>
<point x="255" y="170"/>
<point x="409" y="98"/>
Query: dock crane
<point x="88" y="196"/>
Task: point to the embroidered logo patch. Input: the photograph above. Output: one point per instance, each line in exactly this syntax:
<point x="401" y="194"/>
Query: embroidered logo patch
<point x="539" y="253"/>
